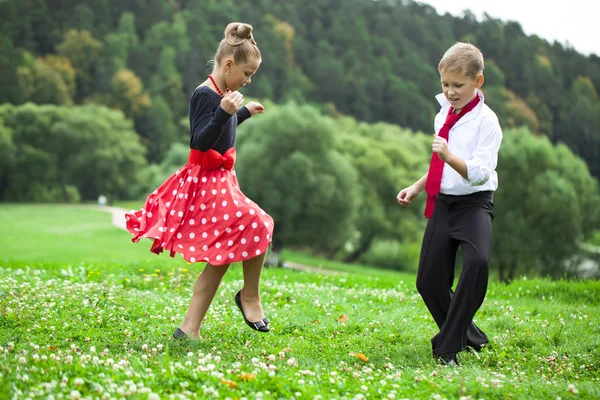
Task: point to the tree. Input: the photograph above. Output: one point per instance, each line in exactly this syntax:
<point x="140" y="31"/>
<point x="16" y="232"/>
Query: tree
<point x="287" y="164"/>
<point x="544" y="206"/>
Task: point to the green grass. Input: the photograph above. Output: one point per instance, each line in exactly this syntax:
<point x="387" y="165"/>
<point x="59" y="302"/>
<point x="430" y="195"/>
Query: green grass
<point x="101" y="329"/>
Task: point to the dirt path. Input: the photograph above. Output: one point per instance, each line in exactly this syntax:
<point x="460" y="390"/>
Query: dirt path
<point x="118" y="220"/>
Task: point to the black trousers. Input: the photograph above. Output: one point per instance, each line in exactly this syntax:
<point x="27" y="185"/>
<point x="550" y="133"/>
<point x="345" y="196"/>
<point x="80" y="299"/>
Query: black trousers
<point x="464" y="221"/>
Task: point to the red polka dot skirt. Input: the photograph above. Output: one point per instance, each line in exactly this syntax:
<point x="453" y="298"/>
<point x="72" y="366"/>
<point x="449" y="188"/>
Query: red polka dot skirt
<point x="201" y="213"/>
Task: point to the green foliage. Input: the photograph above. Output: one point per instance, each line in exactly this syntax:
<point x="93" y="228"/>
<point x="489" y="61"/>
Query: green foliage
<point x="288" y="165"/>
<point x="547" y="204"/>
<point x="91" y="148"/>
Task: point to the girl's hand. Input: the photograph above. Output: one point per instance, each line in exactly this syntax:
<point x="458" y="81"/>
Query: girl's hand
<point x="255" y="108"/>
<point x="232" y="102"/>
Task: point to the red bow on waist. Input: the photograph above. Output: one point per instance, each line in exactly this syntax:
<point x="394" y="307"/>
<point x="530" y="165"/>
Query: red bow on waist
<point x="212" y="159"/>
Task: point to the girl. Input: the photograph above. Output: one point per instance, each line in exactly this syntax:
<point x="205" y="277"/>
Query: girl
<point x="200" y="211"/>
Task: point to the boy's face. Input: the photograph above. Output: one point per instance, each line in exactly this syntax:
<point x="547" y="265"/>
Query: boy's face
<point x="240" y="74"/>
<point x="459" y="88"/>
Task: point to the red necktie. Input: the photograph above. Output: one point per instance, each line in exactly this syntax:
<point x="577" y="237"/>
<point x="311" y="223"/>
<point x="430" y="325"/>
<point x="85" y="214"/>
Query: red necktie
<point x="436" y="167"/>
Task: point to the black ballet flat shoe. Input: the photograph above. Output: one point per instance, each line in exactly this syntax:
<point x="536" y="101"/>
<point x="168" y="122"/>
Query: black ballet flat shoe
<point x="448" y="360"/>
<point x="179" y="334"/>
<point x="261" y="326"/>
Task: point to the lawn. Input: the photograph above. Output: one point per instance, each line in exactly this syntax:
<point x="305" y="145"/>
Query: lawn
<point x="84" y="313"/>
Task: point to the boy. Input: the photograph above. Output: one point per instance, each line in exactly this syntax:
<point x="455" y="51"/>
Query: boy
<point x="460" y="184"/>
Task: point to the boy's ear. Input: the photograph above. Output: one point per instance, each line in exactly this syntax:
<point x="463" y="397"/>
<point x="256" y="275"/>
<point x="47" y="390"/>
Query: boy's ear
<point x="479" y="81"/>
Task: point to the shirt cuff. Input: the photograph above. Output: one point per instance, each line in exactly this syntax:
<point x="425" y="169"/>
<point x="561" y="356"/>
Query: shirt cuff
<point x="476" y="173"/>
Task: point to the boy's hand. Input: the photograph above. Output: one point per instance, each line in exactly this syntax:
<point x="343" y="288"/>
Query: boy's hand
<point x="440" y="146"/>
<point x="406" y="195"/>
<point x="232" y="102"/>
<point x="255" y="108"/>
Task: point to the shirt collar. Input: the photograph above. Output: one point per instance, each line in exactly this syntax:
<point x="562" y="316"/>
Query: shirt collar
<point x="445" y="103"/>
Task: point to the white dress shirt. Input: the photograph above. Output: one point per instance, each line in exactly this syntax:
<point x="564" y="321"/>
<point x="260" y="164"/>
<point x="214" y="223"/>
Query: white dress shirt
<point x="475" y="138"/>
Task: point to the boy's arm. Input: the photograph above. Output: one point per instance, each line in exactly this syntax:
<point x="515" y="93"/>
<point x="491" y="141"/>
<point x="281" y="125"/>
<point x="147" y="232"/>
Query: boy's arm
<point x="420" y="184"/>
<point x="485" y="156"/>
<point x="478" y="169"/>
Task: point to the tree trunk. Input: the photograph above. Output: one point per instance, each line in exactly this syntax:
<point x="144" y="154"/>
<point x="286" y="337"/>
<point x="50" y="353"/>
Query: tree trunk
<point x="362" y="249"/>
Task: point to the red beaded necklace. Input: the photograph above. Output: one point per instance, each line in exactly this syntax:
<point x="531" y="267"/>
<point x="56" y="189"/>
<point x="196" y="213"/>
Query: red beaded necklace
<point x="216" y="86"/>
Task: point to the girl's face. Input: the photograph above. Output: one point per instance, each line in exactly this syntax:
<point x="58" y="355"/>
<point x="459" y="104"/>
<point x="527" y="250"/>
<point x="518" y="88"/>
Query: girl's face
<point x="239" y="75"/>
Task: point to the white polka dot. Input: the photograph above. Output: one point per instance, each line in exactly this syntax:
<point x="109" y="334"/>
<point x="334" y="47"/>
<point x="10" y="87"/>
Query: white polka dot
<point x="224" y="203"/>
<point x="143" y="211"/>
<point x="181" y="195"/>
<point x="180" y="180"/>
<point x="204" y="179"/>
<point x="216" y="232"/>
<point x="193" y="259"/>
<point x="238" y="214"/>
<point x="217" y="245"/>
<point x="181" y="184"/>
<point x="186" y="196"/>
<point x="231" y="255"/>
<point x="149" y="215"/>
<point x="243" y="241"/>
<point x="180" y="214"/>
<point x="150" y="201"/>
<point x="189" y="178"/>
<point x="214" y="205"/>
<point x="204" y="235"/>
<point x="168" y="204"/>
<point x="247" y="200"/>
<point x="192" y="207"/>
<point x="172" y="230"/>
<point x="203" y="192"/>
<point x="230" y="243"/>
<point x="192" y="222"/>
<point x="226" y="217"/>
<point x="263" y="212"/>
<point x="258" y="252"/>
<point x="203" y="221"/>
<point x="236" y="202"/>
<point x="268" y="236"/>
<point x="192" y="248"/>
<point x="254" y="225"/>
<point x="179" y="235"/>
<point x="256" y="239"/>
<point x="214" y="191"/>
<point x="136" y="229"/>
<point x="155" y="192"/>
<point x="195" y="179"/>
<point x="228" y="230"/>
<point x="214" y="219"/>
<point x="223" y="179"/>
<point x="219" y="257"/>
<point x="160" y="229"/>
<point x="202" y="207"/>
<point x="214" y="179"/>
<point x="172" y="212"/>
<point x="242" y="227"/>
<point x="192" y="235"/>
<point x="267" y="224"/>
<point x="180" y="246"/>
<point x="245" y="254"/>
<point x="174" y="192"/>
<point x="205" y="248"/>
<point x="223" y="191"/>
<point x="252" y="212"/>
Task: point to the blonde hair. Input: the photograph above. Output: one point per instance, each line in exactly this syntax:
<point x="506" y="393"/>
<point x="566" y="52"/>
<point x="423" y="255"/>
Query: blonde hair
<point x="464" y="58"/>
<point x="238" y="42"/>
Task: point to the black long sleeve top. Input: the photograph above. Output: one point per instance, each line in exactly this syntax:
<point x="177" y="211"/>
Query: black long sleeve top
<point x="211" y="127"/>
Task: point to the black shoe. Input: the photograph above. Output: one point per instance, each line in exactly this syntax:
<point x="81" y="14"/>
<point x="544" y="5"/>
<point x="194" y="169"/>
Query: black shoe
<point x="261" y="326"/>
<point x="179" y="334"/>
<point x="448" y="360"/>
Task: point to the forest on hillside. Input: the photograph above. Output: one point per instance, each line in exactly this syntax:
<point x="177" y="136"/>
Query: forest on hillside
<point x="94" y="97"/>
